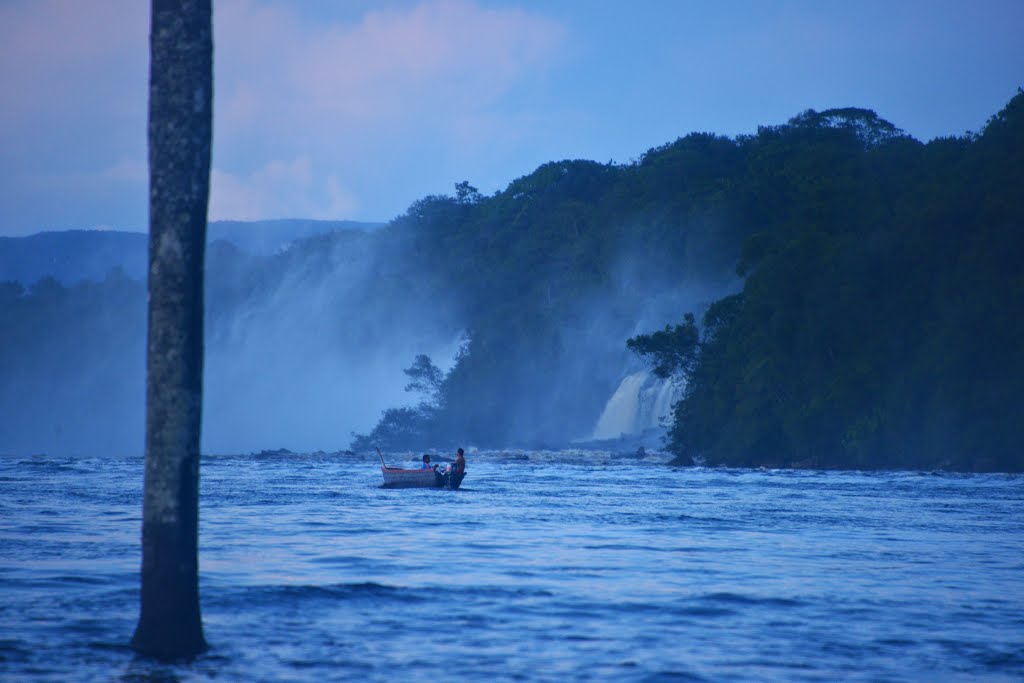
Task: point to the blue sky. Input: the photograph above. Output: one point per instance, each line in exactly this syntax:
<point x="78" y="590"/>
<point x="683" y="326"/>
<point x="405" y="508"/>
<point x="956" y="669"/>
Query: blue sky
<point x="353" y="110"/>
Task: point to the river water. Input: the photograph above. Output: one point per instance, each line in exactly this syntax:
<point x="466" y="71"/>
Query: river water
<point x="543" y="567"/>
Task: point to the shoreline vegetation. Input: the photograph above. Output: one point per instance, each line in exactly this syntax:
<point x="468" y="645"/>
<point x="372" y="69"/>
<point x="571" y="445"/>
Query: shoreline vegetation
<point x="828" y="293"/>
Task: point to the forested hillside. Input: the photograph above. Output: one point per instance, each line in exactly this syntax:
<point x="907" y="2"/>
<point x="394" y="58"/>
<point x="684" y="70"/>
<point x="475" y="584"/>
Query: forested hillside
<point x="552" y="274"/>
<point x="880" y="322"/>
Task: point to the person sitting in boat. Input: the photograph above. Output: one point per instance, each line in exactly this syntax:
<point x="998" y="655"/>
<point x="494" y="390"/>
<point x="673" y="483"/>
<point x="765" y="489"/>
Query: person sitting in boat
<point x="426" y="463"/>
<point x="454" y="471"/>
<point x="460" y="464"/>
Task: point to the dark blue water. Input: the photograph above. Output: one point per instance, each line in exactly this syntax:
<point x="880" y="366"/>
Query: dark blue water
<point x="544" y="567"/>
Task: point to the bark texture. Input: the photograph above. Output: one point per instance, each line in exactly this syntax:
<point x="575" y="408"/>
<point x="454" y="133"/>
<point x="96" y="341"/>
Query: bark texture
<point x="180" y="134"/>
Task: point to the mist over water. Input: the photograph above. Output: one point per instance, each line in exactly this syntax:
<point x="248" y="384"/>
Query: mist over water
<point x="320" y="355"/>
<point x="567" y="403"/>
<point x="307" y="345"/>
<point x="303" y="347"/>
<point x="317" y="357"/>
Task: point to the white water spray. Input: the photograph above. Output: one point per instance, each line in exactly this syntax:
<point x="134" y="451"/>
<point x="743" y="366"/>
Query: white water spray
<point x="640" y="403"/>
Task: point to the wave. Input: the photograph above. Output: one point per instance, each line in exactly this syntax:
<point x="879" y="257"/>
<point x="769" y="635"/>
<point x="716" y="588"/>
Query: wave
<point x="270" y="594"/>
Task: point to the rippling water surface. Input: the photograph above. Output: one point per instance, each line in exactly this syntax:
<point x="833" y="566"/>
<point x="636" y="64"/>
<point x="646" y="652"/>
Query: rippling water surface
<point x="544" y="566"/>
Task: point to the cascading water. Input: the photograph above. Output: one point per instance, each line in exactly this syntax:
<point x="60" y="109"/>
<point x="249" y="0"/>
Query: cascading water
<point x="619" y="414"/>
<point x="639" y="404"/>
<point x="656" y="399"/>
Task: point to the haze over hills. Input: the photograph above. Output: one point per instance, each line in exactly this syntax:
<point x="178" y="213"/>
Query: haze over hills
<point x="270" y="236"/>
<point x="73" y="256"/>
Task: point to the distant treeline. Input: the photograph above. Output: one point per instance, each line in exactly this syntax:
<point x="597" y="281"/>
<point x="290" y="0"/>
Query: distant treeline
<point x="71" y="362"/>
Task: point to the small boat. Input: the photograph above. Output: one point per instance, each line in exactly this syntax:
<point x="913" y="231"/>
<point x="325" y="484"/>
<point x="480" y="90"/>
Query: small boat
<point x="399" y="478"/>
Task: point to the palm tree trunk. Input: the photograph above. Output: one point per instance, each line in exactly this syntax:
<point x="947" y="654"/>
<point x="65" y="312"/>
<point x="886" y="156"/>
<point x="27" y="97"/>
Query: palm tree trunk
<point x="180" y="132"/>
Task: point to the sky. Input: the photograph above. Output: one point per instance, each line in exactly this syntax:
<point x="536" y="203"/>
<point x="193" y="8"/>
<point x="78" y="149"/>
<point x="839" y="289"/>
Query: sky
<point x="354" y="109"/>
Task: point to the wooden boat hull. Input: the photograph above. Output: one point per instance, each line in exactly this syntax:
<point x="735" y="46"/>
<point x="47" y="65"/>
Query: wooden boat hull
<point x="398" y="478"/>
<point x="395" y="477"/>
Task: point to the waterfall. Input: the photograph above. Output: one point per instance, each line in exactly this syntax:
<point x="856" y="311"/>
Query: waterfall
<point x="656" y="399"/>
<point x="639" y="403"/>
<point x="619" y="415"/>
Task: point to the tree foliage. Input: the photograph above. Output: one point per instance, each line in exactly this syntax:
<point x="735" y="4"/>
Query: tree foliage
<point x="879" y="324"/>
<point x="672" y="350"/>
<point x="425" y="378"/>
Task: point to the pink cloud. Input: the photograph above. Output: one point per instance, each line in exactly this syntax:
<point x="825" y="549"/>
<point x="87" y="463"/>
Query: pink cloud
<point x="57" y="55"/>
<point x="434" y="62"/>
<point x="443" y="49"/>
<point x="279" y="189"/>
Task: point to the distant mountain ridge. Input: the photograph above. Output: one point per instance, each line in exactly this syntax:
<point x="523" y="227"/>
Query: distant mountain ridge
<point x="73" y="256"/>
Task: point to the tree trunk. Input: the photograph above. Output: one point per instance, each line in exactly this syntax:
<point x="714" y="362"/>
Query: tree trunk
<point x="180" y="132"/>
